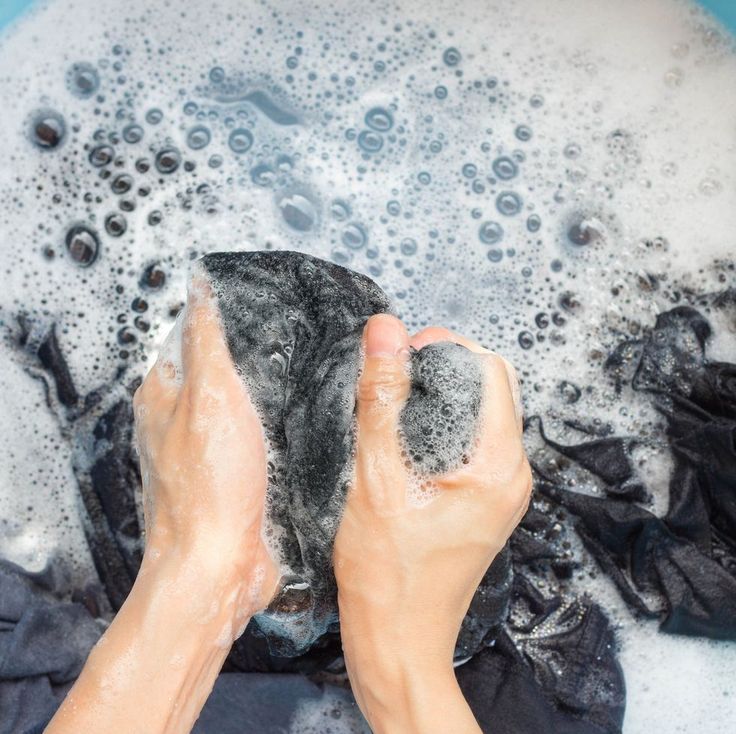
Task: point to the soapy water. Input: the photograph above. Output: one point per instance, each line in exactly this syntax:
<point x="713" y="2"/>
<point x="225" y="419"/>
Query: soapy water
<point x="543" y="182"/>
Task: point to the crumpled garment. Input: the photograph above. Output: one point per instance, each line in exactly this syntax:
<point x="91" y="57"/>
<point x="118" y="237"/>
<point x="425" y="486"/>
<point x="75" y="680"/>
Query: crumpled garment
<point x="293" y="325"/>
<point x="528" y="641"/>
<point x="686" y="559"/>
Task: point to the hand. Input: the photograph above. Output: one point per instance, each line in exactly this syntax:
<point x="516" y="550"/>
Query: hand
<point x="203" y="458"/>
<point x="406" y="573"/>
<point x="205" y="568"/>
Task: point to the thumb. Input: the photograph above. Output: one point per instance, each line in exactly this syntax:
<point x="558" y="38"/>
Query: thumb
<point x="384" y="384"/>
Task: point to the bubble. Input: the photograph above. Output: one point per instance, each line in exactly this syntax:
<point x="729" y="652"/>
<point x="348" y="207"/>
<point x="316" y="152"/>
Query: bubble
<point x="132" y="133"/>
<point x="533" y="223"/>
<point x="152" y="278"/>
<point x="48" y="129"/>
<point x="298" y="212"/>
<point x="101" y="155"/>
<point x="340" y="210"/>
<point x="424" y="177"/>
<point x="354" y="236"/>
<point x="569" y="391"/>
<point x="370" y="141"/>
<point x="122" y="184"/>
<point x="451" y="56"/>
<point x="142" y="165"/>
<point x="379" y="119"/>
<point x="508" y="203"/>
<point x="215" y="161"/>
<point x="115" y="224"/>
<point x="82" y="80"/>
<point x="393" y="207"/>
<point x="523" y="133"/>
<point x="240" y="140"/>
<point x="585" y="230"/>
<point x="262" y="175"/>
<point x="505" y="168"/>
<point x="217" y="74"/>
<point x="526" y="339"/>
<point x="82" y="244"/>
<point x="536" y="100"/>
<point x="168" y="160"/>
<point x="155" y="217"/>
<point x="495" y="255"/>
<point x="470" y="170"/>
<point x="154" y="116"/>
<point x="440" y="92"/>
<point x="198" y="137"/>
<point x="572" y="151"/>
<point x="490" y="233"/>
<point x="408" y="246"/>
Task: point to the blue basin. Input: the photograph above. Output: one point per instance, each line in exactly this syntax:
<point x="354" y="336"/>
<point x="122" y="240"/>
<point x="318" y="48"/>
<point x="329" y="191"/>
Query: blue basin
<point x="723" y="9"/>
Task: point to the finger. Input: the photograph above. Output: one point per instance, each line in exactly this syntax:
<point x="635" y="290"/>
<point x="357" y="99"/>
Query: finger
<point x="434" y="334"/>
<point x="383" y="388"/>
<point x="499" y="434"/>
<point x="204" y="349"/>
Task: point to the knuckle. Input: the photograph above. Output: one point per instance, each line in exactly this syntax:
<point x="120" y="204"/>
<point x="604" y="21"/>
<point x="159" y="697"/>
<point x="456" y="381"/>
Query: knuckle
<point x="383" y="380"/>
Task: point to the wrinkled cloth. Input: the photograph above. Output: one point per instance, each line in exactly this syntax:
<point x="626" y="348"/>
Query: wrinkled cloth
<point x="687" y="558"/>
<point x="528" y="636"/>
<point x="293" y="325"/>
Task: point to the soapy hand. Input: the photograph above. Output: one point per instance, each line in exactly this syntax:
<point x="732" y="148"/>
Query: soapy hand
<point x="205" y="569"/>
<point x="407" y="571"/>
<point x="203" y="457"/>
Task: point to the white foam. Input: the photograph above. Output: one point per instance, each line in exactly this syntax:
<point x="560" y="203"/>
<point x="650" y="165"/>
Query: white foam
<point x="634" y="140"/>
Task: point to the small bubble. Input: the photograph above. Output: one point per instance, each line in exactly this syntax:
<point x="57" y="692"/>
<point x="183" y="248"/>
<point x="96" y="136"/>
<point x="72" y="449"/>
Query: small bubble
<point x="340" y="210"/>
<point x="440" y="92"/>
<point x="198" y="137"/>
<point x="168" y="160"/>
<point x="370" y="141"/>
<point x="533" y="223"/>
<point x="217" y="74"/>
<point x="153" y="278"/>
<point x="526" y="339"/>
<point x="82" y="80"/>
<point x="82" y="244"/>
<point x="523" y="133"/>
<point x="48" y="130"/>
<point x="408" y="246"/>
<point x="490" y="233"/>
<point x="240" y="140"/>
<point x="451" y="56"/>
<point x="115" y="224"/>
<point x="154" y="116"/>
<point x="505" y="168"/>
<point x="132" y="134"/>
<point x="101" y="155"/>
<point x="508" y="203"/>
<point x="354" y="236"/>
<point x="379" y="119"/>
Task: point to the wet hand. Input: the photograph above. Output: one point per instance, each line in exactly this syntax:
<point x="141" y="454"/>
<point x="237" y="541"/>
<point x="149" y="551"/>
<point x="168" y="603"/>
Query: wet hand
<point x="407" y="570"/>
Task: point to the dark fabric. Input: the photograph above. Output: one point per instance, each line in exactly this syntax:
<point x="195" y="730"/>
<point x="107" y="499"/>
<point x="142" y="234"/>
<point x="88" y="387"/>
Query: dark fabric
<point x="537" y="656"/>
<point x="293" y="325"/>
<point x="686" y="559"/>
<point x="44" y="642"/>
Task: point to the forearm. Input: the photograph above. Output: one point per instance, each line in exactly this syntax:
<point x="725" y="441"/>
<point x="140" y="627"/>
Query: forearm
<point x="403" y="679"/>
<point x="153" y="669"/>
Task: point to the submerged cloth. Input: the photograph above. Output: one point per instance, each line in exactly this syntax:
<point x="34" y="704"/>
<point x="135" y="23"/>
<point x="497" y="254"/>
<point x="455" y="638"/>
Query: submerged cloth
<point x="540" y="658"/>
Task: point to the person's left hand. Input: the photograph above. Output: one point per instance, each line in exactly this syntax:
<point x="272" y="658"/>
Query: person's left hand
<point x="203" y="458"/>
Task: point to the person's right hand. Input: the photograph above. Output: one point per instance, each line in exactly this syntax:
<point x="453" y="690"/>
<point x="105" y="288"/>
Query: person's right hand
<point x="406" y="572"/>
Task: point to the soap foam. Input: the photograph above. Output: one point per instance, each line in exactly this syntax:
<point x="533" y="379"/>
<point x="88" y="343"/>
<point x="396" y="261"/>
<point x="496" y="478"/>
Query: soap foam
<point x="622" y="156"/>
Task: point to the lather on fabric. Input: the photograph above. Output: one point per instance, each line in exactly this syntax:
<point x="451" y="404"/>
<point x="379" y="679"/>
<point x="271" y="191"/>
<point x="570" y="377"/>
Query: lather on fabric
<point x="293" y="325"/>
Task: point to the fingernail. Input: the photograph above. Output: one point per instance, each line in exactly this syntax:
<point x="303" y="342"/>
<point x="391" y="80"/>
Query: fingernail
<point x="385" y="336"/>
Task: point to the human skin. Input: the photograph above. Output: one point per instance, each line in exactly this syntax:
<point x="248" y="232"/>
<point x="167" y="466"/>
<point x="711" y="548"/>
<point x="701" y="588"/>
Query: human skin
<point x="206" y="569"/>
<point x="406" y="572"/>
